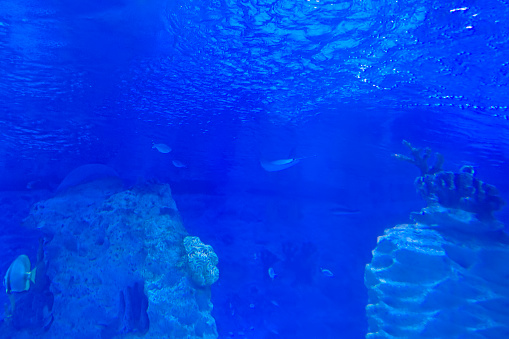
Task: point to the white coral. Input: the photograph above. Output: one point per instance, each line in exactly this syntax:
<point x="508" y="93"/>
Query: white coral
<point x="201" y="261"/>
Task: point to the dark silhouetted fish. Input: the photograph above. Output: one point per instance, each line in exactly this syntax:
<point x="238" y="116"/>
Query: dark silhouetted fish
<point x="343" y="210"/>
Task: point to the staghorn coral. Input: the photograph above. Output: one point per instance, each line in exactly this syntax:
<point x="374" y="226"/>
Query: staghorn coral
<point x="421" y="161"/>
<point x="201" y="261"/>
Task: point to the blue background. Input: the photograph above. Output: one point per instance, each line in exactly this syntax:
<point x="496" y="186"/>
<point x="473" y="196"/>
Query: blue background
<point x="227" y="83"/>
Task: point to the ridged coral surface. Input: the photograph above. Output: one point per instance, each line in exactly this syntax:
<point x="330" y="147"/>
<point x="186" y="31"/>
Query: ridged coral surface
<point x="438" y="283"/>
<point x="115" y="256"/>
<point x="202" y="261"/>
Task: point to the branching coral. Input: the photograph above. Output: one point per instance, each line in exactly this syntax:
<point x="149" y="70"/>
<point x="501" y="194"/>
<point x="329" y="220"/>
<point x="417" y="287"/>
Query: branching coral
<point x="453" y="190"/>
<point x="421" y="161"/>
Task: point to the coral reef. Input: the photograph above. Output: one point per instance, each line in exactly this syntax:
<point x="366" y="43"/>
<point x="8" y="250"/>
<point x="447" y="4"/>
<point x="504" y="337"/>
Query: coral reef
<point x="132" y="313"/>
<point x="461" y="191"/>
<point x="201" y="261"/>
<point x="444" y="276"/>
<point x="426" y="284"/>
<point x="437" y="216"/>
<point x="421" y="161"/>
<point x="116" y="255"/>
<point x="453" y="190"/>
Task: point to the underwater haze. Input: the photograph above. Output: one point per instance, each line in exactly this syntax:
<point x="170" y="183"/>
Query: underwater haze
<point x="232" y="169"/>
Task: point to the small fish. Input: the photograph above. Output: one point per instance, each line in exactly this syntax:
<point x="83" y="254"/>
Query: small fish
<point x="273" y="330"/>
<point x="344" y="210"/>
<point x="178" y="164"/>
<point x="272" y="274"/>
<point x="32" y="184"/>
<point x="273" y="302"/>
<point x="326" y="272"/>
<point x="281" y="164"/>
<point x="163" y="148"/>
<point x="18" y="275"/>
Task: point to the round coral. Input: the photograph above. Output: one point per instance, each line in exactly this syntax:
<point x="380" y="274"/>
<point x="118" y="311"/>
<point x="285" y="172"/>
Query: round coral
<point x="201" y="261"/>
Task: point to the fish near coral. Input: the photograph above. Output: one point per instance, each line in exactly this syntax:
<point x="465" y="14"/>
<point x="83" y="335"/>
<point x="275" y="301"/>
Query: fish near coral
<point x="18" y="276"/>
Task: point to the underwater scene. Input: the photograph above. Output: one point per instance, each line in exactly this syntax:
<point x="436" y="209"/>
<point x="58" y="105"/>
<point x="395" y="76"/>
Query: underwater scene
<point x="301" y="169"/>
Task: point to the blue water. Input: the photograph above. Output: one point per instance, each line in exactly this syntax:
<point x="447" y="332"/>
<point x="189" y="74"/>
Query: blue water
<point x="227" y="83"/>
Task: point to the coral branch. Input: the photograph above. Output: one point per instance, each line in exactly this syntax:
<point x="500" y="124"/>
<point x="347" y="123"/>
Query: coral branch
<point x="421" y="161"/>
<point x="460" y="191"/>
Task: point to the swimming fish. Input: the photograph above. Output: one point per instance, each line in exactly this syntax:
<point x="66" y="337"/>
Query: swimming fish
<point x="178" y="164"/>
<point x="326" y="272"/>
<point x="279" y="165"/>
<point x="272" y="274"/>
<point x="32" y="184"/>
<point x="344" y="210"/>
<point x="18" y="276"/>
<point x="163" y="148"/>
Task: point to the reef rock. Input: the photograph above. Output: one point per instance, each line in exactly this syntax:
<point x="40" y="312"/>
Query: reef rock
<point x="452" y="190"/>
<point x="460" y="191"/>
<point x="446" y="275"/>
<point x="426" y="283"/>
<point x="117" y="265"/>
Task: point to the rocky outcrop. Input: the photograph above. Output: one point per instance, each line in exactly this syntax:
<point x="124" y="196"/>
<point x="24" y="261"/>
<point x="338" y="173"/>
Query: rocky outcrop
<point x="426" y="283"/>
<point x="117" y="265"/>
<point x="445" y="276"/>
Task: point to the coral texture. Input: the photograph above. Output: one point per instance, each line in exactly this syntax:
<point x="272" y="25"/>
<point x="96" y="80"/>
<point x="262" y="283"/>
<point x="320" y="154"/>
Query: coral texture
<point x="201" y="261"/>
<point x="446" y="275"/>
<point x="453" y="190"/>
<point x="420" y="159"/>
<point x="423" y="283"/>
<point x="461" y="191"/>
<point x="115" y="255"/>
